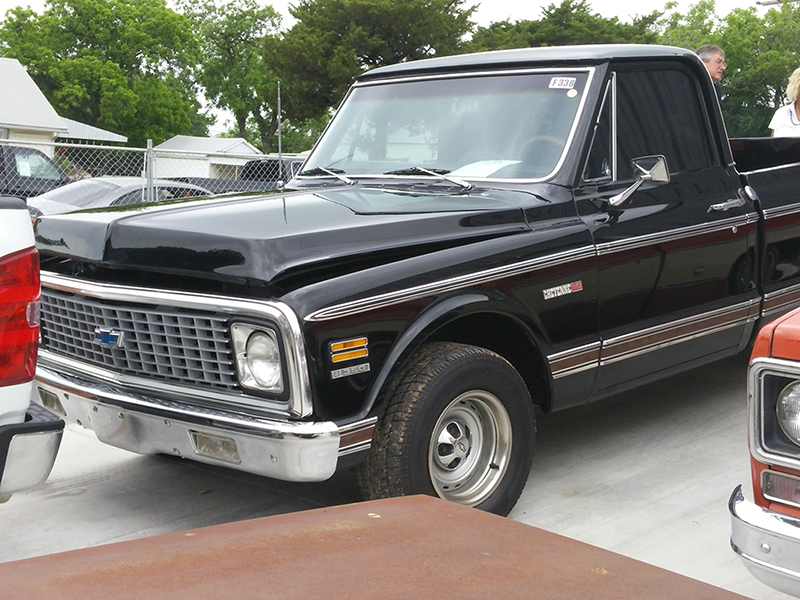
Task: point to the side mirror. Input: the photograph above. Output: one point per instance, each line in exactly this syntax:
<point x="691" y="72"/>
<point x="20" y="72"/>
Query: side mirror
<point x="648" y="168"/>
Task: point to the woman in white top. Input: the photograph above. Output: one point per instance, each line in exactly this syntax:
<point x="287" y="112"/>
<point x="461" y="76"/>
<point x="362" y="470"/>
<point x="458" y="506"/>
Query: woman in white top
<point x="786" y="120"/>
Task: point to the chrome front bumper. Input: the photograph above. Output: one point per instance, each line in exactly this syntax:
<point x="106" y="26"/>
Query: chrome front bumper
<point x="767" y="542"/>
<point x="28" y="450"/>
<point x="287" y="450"/>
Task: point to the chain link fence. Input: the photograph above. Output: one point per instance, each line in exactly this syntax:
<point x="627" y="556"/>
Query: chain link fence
<point x="31" y="168"/>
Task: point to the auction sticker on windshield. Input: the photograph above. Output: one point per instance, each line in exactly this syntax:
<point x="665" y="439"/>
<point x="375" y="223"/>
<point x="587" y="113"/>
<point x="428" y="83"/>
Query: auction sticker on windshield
<point x="563" y="83"/>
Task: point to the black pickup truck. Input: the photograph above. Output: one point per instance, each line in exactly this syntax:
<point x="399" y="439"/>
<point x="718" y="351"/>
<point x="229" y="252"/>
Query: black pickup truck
<point x="472" y="236"/>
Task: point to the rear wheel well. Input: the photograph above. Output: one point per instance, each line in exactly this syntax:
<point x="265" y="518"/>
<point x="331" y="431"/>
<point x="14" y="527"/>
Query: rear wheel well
<point x="506" y="337"/>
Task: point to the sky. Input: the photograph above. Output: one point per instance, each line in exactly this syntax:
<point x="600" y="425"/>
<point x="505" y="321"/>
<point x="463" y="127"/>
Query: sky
<point x="490" y="11"/>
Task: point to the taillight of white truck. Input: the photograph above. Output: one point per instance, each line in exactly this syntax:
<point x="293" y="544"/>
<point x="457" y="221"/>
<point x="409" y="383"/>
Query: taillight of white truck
<point x="19" y="316"/>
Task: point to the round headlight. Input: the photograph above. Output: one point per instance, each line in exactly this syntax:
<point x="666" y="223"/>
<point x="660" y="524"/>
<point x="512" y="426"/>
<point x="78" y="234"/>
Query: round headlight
<point x="264" y="359"/>
<point x="788" y="410"/>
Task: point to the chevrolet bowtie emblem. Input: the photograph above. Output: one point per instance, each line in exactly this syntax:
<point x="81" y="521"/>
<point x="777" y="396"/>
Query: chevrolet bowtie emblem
<point x="108" y="337"/>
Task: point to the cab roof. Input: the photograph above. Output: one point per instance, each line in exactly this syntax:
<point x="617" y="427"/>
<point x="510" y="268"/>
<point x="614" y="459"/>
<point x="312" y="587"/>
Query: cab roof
<point x="551" y="55"/>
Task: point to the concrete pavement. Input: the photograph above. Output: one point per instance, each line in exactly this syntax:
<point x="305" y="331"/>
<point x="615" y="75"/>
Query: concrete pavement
<point x="646" y="474"/>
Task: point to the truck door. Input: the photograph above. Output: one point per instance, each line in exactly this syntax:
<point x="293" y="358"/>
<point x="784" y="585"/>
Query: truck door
<point x="674" y="259"/>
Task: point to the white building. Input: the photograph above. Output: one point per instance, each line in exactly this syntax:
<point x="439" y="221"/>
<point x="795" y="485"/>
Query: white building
<point x="26" y="116"/>
<point x="81" y="133"/>
<point x="218" y="158"/>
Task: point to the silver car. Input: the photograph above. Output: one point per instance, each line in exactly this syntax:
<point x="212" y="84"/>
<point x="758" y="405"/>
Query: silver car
<point x="99" y="192"/>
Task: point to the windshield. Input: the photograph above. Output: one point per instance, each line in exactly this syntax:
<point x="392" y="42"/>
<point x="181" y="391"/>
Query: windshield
<point x="34" y="164"/>
<point x="492" y="126"/>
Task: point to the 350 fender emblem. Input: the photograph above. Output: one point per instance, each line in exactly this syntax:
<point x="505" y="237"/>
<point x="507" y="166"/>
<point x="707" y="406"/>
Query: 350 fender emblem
<point x="562" y="290"/>
<point x="108" y="337"/>
<point x="348" y="371"/>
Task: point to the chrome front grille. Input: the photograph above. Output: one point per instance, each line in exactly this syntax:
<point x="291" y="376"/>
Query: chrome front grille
<point x="183" y="346"/>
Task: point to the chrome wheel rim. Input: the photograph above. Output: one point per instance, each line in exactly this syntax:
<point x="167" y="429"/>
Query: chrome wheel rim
<point x="470" y="448"/>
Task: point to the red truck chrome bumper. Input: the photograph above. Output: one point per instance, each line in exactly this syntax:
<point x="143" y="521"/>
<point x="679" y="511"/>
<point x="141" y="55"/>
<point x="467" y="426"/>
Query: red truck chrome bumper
<point x="767" y="542"/>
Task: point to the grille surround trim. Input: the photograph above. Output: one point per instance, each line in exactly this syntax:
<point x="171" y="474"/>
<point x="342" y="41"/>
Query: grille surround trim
<point x="299" y="398"/>
<point x="160" y="342"/>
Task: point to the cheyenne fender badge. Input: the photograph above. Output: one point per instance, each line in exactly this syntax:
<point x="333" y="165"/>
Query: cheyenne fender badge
<point x="562" y="290"/>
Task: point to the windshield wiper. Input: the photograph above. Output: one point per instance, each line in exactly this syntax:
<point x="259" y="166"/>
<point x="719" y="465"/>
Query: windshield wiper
<point x="440" y="173"/>
<point x="338" y="173"/>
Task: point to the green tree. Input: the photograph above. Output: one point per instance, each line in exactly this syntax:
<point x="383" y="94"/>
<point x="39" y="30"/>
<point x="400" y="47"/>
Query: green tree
<point x="302" y="136"/>
<point x="699" y="26"/>
<point x="294" y="137"/>
<point x="569" y="23"/>
<point x="233" y="71"/>
<point x="123" y="65"/>
<point x="335" y="40"/>
<point x="761" y="53"/>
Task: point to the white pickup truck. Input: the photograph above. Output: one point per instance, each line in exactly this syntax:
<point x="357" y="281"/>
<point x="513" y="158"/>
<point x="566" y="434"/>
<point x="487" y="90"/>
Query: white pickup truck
<point x="29" y="435"/>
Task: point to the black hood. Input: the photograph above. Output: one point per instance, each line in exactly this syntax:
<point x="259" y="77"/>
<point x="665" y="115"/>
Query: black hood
<point x="278" y="237"/>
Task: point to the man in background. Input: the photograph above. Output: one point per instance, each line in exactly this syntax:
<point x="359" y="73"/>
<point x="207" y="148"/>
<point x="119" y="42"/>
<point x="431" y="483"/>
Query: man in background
<point x="714" y="59"/>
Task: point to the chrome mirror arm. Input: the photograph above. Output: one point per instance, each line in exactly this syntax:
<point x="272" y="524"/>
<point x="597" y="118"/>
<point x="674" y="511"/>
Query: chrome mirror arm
<point x="658" y="173"/>
<point x="623" y="196"/>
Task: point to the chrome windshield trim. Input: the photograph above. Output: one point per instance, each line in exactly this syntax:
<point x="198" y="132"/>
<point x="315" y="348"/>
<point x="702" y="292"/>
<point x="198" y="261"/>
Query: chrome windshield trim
<point x="299" y="404"/>
<point x="590" y="70"/>
<point x="449" y="285"/>
<point x="672" y="235"/>
<point x="758" y="369"/>
<point x="475" y="73"/>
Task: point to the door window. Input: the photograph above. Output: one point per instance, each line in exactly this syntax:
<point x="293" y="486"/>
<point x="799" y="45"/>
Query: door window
<point x="658" y="112"/>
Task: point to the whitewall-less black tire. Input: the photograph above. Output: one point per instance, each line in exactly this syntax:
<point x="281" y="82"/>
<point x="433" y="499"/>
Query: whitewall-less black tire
<point x="458" y="424"/>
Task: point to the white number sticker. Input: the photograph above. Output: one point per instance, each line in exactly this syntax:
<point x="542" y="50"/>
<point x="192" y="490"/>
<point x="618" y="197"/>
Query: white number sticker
<point x="562" y="83"/>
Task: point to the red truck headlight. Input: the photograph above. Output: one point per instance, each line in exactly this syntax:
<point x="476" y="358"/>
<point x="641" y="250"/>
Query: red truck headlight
<point x="788" y="410"/>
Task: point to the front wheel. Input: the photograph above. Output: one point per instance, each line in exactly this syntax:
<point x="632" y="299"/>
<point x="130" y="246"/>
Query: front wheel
<point x="458" y="424"/>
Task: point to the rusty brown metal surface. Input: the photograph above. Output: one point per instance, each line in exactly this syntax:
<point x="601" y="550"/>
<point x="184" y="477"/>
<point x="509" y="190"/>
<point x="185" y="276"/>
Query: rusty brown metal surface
<point x="414" y="547"/>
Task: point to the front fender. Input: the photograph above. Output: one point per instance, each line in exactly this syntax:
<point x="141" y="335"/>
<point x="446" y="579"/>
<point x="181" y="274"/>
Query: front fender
<point x="434" y="320"/>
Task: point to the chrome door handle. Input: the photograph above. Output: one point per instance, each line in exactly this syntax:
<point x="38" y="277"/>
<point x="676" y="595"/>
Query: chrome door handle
<point x="727" y="205"/>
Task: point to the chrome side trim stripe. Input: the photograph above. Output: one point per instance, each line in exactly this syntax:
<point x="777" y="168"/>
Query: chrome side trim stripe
<point x="768" y="169"/>
<point x="780" y="211"/>
<point x="356" y="436"/>
<point x="683" y="330"/>
<point x="450" y="284"/>
<point x="575" y="360"/>
<point x="781" y="300"/>
<point x="299" y="404"/>
<point x="662" y="237"/>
